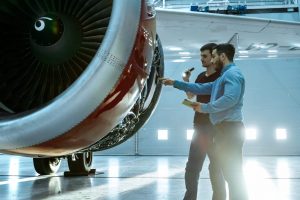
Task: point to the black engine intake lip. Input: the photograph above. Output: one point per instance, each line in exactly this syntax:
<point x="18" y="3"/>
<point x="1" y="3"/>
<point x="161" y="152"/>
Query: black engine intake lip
<point x="86" y="93"/>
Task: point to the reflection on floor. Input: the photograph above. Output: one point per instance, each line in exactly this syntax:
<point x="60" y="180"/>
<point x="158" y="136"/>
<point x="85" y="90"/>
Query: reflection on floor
<point x="143" y="177"/>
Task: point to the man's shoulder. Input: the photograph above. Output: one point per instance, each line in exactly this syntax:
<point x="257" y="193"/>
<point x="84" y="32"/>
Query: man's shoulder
<point x="203" y="78"/>
<point x="233" y="72"/>
<point x="201" y="74"/>
<point x="200" y="77"/>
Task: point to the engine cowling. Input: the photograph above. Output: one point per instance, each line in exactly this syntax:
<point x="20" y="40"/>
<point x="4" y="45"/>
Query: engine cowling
<point x="71" y="71"/>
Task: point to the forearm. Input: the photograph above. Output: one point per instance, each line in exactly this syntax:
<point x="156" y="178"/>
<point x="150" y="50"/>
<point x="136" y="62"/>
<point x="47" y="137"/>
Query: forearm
<point x="195" y="88"/>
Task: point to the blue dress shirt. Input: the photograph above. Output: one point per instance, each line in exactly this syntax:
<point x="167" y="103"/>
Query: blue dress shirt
<point x="227" y="93"/>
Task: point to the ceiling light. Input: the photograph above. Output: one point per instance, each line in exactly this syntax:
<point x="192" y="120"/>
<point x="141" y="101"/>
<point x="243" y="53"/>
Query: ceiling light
<point x="174" y="48"/>
<point x="272" y="51"/>
<point x="178" y="60"/>
<point x="243" y="52"/>
<point x="184" y="53"/>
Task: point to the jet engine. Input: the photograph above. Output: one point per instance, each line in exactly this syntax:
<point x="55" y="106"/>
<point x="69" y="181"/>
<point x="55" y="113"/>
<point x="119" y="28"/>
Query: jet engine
<point x="76" y="77"/>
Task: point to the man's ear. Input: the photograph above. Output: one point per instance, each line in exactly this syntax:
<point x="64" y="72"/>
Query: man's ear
<point x="223" y="56"/>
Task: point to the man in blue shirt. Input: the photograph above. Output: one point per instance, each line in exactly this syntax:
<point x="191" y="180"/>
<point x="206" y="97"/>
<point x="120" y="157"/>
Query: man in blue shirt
<point x="225" y="113"/>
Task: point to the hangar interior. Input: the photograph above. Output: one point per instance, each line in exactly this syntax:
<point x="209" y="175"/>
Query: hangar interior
<point x="271" y="104"/>
<point x="150" y="165"/>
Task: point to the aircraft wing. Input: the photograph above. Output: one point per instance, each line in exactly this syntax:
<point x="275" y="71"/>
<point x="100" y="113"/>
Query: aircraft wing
<point x="184" y="31"/>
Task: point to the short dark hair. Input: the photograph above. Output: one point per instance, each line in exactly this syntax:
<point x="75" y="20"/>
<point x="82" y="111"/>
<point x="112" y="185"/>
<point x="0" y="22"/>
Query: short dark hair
<point x="208" y="46"/>
<point x="227" y="49"/>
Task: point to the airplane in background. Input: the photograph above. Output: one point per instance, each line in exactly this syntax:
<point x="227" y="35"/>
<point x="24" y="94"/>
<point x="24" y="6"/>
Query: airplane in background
<point x="185" y="31"/>
<point x="82" y="76"/>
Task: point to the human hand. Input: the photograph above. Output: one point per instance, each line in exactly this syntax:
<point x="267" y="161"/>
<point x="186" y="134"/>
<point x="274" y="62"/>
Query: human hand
<point x="186" y="75"/>
<point x="197" y="107"/>
<point x="167" y="81"/>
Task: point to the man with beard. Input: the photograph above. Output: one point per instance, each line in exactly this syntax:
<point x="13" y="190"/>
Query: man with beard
<point x="225" y="113"/>
<point x="201" y="143"/>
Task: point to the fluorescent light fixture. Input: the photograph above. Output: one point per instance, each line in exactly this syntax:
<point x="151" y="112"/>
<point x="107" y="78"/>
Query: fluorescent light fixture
<point x="162" y="135"/>
<point x="189" y="134"/>
<point x="251" y="133"/>
<point x="174" y="48"/>
<point x="178" y="60"/>
<point x="281" y="134"/>
<point x="272" y="51"/>
<point x="261" y="46"/>
<point x="184" y="53"/>
<point x="243" y="56"/>
<point x="243" y="52"/>
<point x="186" y="57"/>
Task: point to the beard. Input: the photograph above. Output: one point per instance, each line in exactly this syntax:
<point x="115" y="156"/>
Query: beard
<point x="218" y="65"/>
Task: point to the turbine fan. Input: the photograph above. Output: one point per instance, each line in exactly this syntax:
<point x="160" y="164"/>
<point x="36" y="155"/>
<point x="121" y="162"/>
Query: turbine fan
<point x="45" y="46"/>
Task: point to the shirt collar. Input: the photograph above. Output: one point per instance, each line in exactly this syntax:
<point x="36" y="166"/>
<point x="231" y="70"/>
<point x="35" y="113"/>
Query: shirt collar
<point x="227" y="67"/>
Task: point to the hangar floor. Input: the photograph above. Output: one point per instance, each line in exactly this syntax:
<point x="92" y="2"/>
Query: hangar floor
<point x="143" y="177"/>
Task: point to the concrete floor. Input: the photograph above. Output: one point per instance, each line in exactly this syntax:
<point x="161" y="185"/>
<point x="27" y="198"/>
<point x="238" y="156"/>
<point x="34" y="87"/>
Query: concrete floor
<point x="143" y="178"/>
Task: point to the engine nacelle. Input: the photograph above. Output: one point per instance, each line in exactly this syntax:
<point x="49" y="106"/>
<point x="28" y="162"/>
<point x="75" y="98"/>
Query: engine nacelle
<point x="71" y="71"/>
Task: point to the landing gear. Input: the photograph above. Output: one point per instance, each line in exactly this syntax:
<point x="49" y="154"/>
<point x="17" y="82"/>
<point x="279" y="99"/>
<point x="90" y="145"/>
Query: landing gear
<point x="46" y="166"/>
<point x="80" y="164"/>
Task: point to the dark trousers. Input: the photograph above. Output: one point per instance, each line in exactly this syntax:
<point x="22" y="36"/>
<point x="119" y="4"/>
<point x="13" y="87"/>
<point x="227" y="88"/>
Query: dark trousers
<point x="201" y="145"/>
<point x="229" y="140"/>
